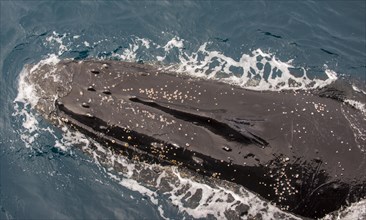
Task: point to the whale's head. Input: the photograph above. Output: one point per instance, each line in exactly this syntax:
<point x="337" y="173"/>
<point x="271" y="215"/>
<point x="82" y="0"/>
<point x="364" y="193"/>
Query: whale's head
<point x="296" y="149"/>
<point x="48" y="80"/>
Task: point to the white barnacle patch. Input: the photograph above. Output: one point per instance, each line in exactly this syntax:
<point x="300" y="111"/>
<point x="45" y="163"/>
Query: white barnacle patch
<point x="151" y="93"/>
<point x="228" y="149"/>
<point x="106" y="99"/>
<point x="165" y="120"/>
<point x="197" y="160"/>
<point x="164" y="93"/>
<point x="283" y="185"/>
<point x="65" y="120"/>
<point x="319" y="107"/>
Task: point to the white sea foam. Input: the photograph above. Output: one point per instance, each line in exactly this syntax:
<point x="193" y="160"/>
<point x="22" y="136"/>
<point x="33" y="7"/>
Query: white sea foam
<point x="130" y="53"/>
<point x="57" y="38"/>
<point x="175" y="42"/>
<point x="355" y="88"/>
<point x="86" y="43"/>
<point x="145" y="42"/>
<point x="357" y="125"/>
<point x="259" y="70"/>
<point x="357" y="105"/>
<point x="26" y="91"/>
<point x="356" y="211"/>
<point x="26" y="100"/>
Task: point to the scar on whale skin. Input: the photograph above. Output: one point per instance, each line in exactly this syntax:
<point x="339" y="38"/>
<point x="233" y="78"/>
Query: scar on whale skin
<point x="295" y="149"/>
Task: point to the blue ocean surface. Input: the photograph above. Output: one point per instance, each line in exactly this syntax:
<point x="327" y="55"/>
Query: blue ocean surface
<point x="46" y="174"/>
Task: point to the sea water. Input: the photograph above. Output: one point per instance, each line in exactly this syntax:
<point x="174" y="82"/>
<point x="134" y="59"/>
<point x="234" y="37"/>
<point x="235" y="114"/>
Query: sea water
<point x="53" y="173"/>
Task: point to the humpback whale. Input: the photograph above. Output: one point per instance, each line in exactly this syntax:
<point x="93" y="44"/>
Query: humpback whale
<point x="301" y="150"/>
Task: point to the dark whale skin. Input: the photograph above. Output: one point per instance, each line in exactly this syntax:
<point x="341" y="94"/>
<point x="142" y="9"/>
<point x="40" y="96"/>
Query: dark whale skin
<point x="295" y="149"/>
